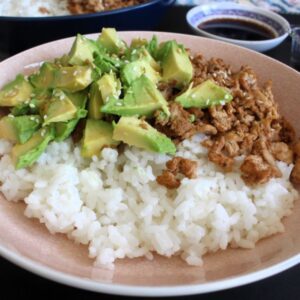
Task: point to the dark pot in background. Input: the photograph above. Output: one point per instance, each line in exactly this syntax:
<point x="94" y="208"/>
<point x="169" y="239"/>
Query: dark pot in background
<point x="20" y="33"/>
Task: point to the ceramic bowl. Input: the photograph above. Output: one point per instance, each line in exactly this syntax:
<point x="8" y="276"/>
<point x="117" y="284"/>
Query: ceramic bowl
<point x="262" y="17"/>
<point x="20" y="33"/>
<point x="28" y="244"/>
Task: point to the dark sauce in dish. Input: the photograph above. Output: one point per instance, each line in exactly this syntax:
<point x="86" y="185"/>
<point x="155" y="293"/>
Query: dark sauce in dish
<point x="237" y="29"/>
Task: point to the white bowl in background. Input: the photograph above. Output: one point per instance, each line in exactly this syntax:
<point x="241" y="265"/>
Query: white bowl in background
<point x="268" y="19"/>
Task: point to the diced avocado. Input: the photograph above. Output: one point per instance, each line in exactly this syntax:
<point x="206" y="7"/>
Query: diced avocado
<point x="62" y="61"/>
<point x="176" y="65"/>
<point x="33" y="105"/>
<point x="73" y="79"/>
<point x="137" y="43"/>
<point x="142" y="98"/>
<point x="108" y="85"/>
<point x="204" y="95"/>
<point x="19" y="129"/>
<point x="110" y="40"/>
<point x="82" y="51"/>
<point x="16" y="92"/>
<point x="59" y="109"/>
<point x="24" y="155"/>
<point x="64" y="129"/>
<point x="139" y="133"/>
<point x="136" y="69"/>
<point x="45" y="77"/>
<point x="97" y="135"/>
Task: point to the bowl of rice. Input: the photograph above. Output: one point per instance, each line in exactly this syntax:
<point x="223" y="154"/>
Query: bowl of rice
<point x="110" y="225"/>
<point x="26" y="23"/>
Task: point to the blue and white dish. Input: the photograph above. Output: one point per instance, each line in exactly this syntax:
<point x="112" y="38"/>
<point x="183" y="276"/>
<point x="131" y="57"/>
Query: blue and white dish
<point x="262" y="17"/>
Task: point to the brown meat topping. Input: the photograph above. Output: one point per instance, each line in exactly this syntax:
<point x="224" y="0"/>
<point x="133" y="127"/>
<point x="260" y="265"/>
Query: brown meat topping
<point x="255" y="170"/>
<point x="249" y="125"/>
<point x="92" y="6"/>
<point x="168" y="179"/>
<point x="177" y="165"/>
<point x="295" y="175"/>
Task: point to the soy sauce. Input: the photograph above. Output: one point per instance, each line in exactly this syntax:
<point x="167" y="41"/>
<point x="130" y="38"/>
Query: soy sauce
<point x="237" y="29"/>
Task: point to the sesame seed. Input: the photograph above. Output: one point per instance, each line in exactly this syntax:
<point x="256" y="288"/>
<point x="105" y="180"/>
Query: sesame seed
<point x="75" y="73"/>
<point x="32" y="118"/>
<point x="45" y="117"/>
<point x="43" y="132"/>
<point x="64" y="72"/>
<point x="10" y="116"/>
<point x="32" y="105"/>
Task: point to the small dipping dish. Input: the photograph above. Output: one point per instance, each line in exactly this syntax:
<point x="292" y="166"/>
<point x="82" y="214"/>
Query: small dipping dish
<point x="244" y="25"/>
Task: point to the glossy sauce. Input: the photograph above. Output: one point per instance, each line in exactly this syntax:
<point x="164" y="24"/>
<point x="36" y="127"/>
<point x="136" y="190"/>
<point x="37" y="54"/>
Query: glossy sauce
<point x="237" y="29"/>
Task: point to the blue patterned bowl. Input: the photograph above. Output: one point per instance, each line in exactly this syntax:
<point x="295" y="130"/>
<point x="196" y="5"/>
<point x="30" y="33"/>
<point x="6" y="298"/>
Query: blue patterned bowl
<point x="261" y="17"/>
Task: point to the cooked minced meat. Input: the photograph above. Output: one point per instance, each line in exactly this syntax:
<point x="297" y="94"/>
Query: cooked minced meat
<point x="177" y="165"/>
<point x="92" y="6"/>
<point x="249" y="125"/>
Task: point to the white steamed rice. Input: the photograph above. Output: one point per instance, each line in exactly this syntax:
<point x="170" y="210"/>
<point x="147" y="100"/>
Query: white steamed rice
<point x="31" y="8"/>
<point x="114" y="205"/>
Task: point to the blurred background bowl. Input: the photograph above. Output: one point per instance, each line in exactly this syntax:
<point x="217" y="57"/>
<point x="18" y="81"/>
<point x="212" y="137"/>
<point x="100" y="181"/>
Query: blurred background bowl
<point x="20" y="33"/>
<point x="267" y="19"/>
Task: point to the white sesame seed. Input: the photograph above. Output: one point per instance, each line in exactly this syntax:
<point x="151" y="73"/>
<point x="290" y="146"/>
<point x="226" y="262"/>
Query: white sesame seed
<point x="43" y="132"/>
<point x="45" y="117"/>
<point x="10" y="116"/>
<point x="64" y="72"/>
<point x="32" y="105"/>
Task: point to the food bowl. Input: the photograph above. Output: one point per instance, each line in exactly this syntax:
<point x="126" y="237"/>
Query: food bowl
<point x="20" y="33"/>
<point x="27" y="243"/>
<point x="274" y="29"/>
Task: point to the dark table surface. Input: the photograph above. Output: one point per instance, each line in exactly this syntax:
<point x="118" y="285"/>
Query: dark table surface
<point x="20" y="284"/>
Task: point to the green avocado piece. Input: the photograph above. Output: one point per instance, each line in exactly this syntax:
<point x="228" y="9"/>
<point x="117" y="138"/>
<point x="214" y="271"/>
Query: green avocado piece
<point x="204" y="95"/>
<point x="142" y="64"/>
<point x="19" y="129"/>
<point x="73" y="79"/>
<point x="142" y="98"/>
<point x="59" y="109"/>
<point x="108" y="85"/>
<point x="69" y="79"/>
<point x="110" y="40"/>
<point x="176" y="65"/>
<point x="33" y="105"/>
<point x="16" y="92"/>
<point x="139" y="133"/>
<point x="97" y="135"/>
<point x="64" y="129"/>
<point x="82" y="51"/>
<point x="24" y="155"/>
<point x="45" y="77"/>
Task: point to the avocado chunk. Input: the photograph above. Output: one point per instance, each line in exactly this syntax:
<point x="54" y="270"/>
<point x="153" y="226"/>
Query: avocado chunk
<point x="45" y="77"/>
<point x="73" y="79"/>
<point x="139" y="133"/>
<point x="33" y="105"/>
<point x="142" y="98"/>
<point x="108" y="85"/>
<point x="110" y="40"/>
<point x="82" y="51"/>
<point x="59" y="109"/>
<point x="204" y="95"/>
<point x="16" y="92"/>
<point x="97" y="135"/>
<point x="136" y="69"/>
<point x="64" y="129"/>
<point x="19" y="129"/>
<point x="176" y="65"/>
<point x="24" y="155"/>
